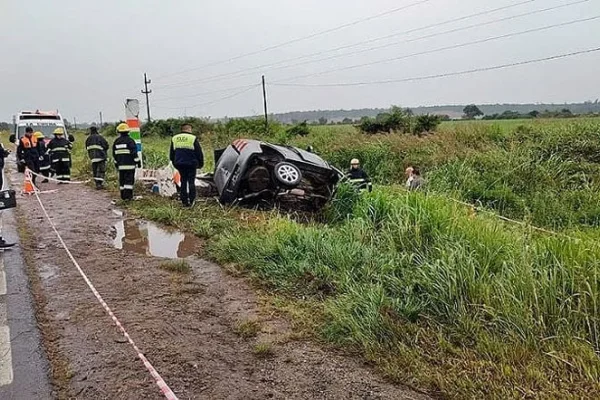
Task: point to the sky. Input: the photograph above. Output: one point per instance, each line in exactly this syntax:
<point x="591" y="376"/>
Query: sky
<point x="206" y="58"/>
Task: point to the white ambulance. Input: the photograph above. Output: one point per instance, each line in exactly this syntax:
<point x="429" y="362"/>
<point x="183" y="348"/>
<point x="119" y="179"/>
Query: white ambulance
<point x="42" y="121"/>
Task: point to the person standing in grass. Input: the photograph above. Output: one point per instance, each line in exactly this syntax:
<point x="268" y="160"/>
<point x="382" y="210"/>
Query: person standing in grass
<point x="97" y="148"/>
<point x="126" y="160"/>
<point x="416" y="181"/>
<point x="186" y="155"/>
<point x="358" y="176"/>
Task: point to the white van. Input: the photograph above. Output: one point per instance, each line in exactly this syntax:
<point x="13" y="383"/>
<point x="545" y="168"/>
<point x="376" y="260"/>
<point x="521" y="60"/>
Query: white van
<point x="42" y="121"/>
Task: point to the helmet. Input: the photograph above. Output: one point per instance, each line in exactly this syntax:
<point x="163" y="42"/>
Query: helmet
<point x="38" y="135"/>
<point x="59" y="131"/>
<point x="355" y="161"/>
<point x="123" y="128"/>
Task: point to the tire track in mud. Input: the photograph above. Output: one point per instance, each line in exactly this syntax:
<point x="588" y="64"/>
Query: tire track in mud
<point x="184" y="323"/>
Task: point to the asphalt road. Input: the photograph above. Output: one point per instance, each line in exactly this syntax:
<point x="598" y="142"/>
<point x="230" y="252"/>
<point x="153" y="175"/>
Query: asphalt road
<point x="23" y="364"/>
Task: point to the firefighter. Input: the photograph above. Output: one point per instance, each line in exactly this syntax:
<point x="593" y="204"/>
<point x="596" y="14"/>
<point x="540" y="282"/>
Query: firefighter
<point x="358" y="176"/>
<point x="126" y="160"/>
<point x="186" y="155"/>
<point x="60" y="155"/>
<point x="27" y="152"/>
<point x="44" y="155"/>
<point x="97" y="148"/>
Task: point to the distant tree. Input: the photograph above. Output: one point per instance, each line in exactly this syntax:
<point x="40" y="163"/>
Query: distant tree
<point x="426" y="123"/>
<point x="472" y="111"/>
<point x="534" y="114"/>
<point x="347" y="121"/>
<point x="322" y="121"/>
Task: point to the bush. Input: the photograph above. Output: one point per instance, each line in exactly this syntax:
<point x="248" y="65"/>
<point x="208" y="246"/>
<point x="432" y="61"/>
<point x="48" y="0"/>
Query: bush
<point x="426" y="123"/>
<point x="300" y="129"/>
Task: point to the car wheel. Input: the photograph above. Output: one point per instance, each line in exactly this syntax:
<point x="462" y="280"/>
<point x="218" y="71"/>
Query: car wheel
<point x="287" y="174"/>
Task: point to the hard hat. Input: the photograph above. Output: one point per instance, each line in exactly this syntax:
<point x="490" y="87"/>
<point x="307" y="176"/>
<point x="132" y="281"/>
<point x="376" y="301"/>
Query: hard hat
<point x="123" y="128"/>
<point x="59" y="131"/>
<point x="38" y="135"/>
<point x="354" y="161"/>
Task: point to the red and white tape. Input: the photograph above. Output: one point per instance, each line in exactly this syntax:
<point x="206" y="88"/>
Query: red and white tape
<point x="164" y="388"/>
<point x="49" y="178"/>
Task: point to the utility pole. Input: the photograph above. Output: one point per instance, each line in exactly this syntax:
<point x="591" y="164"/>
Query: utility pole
<point x="75" y="122"/>
<point x="147" y="92"/>
<point x="101" y="120"/>
<point x="265" y="101"/>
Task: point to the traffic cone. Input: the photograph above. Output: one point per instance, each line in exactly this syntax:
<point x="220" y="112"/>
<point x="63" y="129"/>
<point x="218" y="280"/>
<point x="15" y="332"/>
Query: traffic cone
<point x="28" y="187"/>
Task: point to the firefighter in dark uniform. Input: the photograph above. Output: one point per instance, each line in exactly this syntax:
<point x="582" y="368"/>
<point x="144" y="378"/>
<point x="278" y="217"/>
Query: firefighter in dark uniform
<point x="27" y="152"/>
<point x="60" y="155"/>
<point x="97" y="148"/>
<point x="126" y="160"/>
<point x="358" y="177"/>
<point x="44" y="155"/>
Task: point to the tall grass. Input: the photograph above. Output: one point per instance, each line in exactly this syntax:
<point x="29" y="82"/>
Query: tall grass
<point x="415" y="261"/>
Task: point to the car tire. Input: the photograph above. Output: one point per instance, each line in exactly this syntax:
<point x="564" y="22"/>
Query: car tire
<point x="287" y="174"/>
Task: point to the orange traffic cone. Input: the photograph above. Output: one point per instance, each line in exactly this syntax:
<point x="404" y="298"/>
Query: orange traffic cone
<point x="27" y="185"/>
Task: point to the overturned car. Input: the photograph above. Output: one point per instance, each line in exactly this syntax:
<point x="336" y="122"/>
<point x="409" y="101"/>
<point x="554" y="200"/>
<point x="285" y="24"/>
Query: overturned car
<point x="252" y="171"/>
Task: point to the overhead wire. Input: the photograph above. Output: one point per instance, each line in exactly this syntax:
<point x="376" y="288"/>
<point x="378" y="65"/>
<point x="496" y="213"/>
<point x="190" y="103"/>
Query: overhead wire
<point x="202" y="93"/>
<point x="442" y="75"/>
<point x="439" y="49"/>
<point x="213" y="101"/>
<point x="244" y="72"/>
<point x="300" y="39"/>
<point x="277" y="66"/>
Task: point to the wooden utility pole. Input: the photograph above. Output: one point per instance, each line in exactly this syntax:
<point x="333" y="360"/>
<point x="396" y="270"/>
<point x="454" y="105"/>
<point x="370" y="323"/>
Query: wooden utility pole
<point x="101" y="120"/>
<point x="147" y="92"/>
<point x="264" y="87"/>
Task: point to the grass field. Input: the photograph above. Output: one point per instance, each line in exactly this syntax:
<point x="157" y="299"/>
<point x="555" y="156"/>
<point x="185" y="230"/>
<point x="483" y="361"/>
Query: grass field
<point x="460" y="304"/>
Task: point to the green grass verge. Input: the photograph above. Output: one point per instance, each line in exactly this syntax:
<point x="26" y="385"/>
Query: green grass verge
<point x="462" y="306"/>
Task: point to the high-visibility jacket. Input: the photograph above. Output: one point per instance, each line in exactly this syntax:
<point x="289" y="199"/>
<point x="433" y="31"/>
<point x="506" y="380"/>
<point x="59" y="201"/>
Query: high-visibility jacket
<point x="28" y="149"/>
<point x="186" y="151"/>
<point x="97" y="147"/>
<point x="44" y="155"/>
<point x="125" y="153"/>
<point x="60" y="150"/>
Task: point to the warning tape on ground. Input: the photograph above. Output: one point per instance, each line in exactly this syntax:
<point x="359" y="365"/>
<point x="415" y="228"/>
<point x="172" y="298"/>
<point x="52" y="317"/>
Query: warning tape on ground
<point x="164" y="388"/>
<point x="53" y="179"/>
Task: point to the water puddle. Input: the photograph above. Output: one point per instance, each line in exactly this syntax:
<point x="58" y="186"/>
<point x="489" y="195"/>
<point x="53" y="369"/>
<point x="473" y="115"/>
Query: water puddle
<point x="143" y="237"/>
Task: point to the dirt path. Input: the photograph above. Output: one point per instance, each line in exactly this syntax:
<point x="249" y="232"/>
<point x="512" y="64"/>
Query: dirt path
<point x="185" y="324"/>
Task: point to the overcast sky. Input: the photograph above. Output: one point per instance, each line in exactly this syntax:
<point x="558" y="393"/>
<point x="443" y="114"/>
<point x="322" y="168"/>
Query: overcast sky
<point x="83" y="57"/>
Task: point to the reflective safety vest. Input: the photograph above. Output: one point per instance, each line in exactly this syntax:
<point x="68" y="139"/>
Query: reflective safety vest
<point x="186" y="151"/>
<point x="184" y="141"/>
<point x="28" y="149"/>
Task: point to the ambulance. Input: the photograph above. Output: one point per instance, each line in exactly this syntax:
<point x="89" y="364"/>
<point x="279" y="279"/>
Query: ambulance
<point x="42" y="121"/>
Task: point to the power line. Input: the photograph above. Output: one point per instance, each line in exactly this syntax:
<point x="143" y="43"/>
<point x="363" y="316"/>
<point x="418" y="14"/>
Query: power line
<point x="300" y="39"/>
<point x="444" y="75"/>
<point x="452" y="47"/>
<point x="213" y="101"/>
<point x="478" y="25"/>
<point x="372" y="40"/>
<point x="203" y="93"/>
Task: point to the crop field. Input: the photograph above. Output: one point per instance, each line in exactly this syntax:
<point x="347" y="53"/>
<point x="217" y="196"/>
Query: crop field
<point x="458" y="303"/>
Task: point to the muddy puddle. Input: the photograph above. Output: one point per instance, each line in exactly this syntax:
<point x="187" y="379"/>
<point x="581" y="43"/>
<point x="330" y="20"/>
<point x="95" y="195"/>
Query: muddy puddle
<point x="143" y="237"/>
